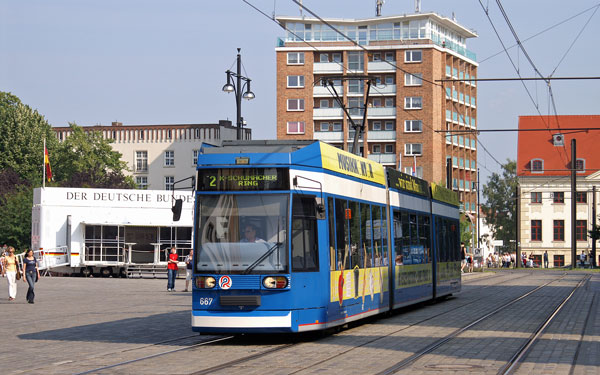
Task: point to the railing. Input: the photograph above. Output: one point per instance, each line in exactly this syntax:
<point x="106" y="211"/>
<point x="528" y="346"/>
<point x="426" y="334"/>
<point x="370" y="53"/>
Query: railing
<point x="329" y="136"/>
<point x="327" y="67"/>
<point x="327" y="113"/>
<point x="46" y="259"/>
<point x="381" y="66"/>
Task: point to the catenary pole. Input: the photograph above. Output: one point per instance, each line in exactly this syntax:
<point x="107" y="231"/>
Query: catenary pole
<point x="573" y="203"/>
<point x="593" y="226"/>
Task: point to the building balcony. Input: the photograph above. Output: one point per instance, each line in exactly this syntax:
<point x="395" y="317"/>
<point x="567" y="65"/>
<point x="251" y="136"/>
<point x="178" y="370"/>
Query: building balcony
<point x="381" y="135"/>
<point x="380" y="66"/>
<point x="383" y="90"/>
<point x="377" y="112"/>
<point x="329" y="136"/>
<point x="327" y="67"/>
<point x="383" y="158"/>
<point x="327" y="113"/>
<point x="326" y="91"/>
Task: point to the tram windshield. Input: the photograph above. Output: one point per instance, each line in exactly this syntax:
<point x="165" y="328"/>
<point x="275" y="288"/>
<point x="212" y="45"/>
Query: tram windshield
<point x="242" y="234"/>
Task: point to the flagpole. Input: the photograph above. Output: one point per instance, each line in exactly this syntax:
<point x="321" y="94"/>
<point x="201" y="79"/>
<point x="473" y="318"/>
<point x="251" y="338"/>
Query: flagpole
<point x="44" y="165"/>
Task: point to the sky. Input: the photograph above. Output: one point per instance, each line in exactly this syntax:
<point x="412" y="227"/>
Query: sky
<point x="163" y="62"/>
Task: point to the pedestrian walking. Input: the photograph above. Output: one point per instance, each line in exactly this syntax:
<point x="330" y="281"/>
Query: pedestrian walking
<point x="582" y="258"/>
<point x="546" y="259"/>
<point x="189" y="263"/>
<point x="31" y="272"/>
<point x="463" y="256"/>
<point x="11" y="269"/>
<point x="172" y="269"/>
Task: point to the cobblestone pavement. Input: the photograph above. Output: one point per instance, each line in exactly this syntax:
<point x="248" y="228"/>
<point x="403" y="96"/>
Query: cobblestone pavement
<point x="81" y="324"/>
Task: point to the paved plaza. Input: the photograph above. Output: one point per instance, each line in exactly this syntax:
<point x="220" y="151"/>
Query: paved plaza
<point x="80" y="324"/>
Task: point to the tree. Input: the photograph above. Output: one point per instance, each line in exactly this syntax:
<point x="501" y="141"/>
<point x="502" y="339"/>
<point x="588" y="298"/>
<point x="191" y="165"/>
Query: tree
<point x="466" y="232"/>
<point x="15" y="226"/>
<point x="500" y="204"/>
<point x="22" y="133"/>
<point x="86" y="159"/>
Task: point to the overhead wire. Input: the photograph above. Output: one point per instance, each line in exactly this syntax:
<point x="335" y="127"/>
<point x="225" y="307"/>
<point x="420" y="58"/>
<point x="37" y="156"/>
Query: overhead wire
<point x="535" y="104"/>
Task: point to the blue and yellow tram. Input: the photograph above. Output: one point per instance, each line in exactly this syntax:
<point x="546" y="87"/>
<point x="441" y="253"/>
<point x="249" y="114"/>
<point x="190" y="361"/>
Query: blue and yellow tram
<point x="291" y="239"/>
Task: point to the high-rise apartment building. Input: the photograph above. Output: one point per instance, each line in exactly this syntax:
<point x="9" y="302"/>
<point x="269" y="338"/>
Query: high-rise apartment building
<point x="409" y="109"/>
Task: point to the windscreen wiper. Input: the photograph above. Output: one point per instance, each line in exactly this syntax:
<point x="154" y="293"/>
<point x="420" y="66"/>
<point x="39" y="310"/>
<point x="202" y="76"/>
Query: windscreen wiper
<point x="263" y="257"/>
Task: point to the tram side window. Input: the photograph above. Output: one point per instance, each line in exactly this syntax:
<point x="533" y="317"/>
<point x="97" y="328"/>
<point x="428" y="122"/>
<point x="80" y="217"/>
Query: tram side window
<point x="378" y="233"/>
<point x="366" y="234"/>
<point x="304" y="235"/>
<point x="384" y="239"/>
<point x="454" y="246"/>
<point x="331" y="234"/>
<point x="356" y="251"/>
<point x="425" y="237"/>
<point x="341" y="233"/>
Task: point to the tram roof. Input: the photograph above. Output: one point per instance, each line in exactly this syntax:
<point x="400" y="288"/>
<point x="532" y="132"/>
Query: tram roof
<point x="259" y="146"/>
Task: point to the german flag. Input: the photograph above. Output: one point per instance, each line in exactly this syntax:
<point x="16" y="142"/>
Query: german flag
<point x="47" y="165"/>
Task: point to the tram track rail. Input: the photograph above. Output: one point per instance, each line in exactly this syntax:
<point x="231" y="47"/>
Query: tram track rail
<point x="512" y="364"/>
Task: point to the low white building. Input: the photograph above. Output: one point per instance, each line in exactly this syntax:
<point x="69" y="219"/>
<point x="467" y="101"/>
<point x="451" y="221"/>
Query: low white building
<point x="108" y="230"/>
<point x="158" y="155"/>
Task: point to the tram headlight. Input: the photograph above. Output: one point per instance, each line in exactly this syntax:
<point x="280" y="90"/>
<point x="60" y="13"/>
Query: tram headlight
<point x="206" y="282"/>
<point x="275" y="282"/>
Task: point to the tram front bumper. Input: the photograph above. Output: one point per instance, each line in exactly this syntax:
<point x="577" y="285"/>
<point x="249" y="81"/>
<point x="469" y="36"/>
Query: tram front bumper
<point x="228" y="321"/>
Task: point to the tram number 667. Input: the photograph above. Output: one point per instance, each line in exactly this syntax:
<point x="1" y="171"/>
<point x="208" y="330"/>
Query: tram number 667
<point x="205" y="301"/>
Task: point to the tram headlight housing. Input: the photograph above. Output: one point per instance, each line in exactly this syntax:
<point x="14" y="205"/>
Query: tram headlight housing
<point x="206" y="282"/>
<point x="275" y="282"/>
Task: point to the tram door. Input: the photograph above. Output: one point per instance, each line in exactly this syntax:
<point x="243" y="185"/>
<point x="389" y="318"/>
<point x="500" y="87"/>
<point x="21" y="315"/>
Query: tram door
<point x="305" y="254"/>
<point x="142" y="237"/>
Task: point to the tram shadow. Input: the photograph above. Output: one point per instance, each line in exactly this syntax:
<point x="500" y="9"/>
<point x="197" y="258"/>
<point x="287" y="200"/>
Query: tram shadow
<point x="152" y="329"/>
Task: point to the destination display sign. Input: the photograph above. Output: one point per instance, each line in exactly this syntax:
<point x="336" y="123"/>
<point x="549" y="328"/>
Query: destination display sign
<point x="337" y="160"/>
<point x="242" y="179"/>
<point x="405" y="182"/>
<point x="440" y="193"/>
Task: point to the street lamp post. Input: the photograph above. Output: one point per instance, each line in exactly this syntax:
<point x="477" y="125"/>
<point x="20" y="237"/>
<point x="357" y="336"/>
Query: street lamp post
<point x="238" y="88"/>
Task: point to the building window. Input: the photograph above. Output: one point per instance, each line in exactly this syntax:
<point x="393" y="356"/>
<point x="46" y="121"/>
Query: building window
<point x="389" y="125"/>
<point x="559" y="260"/>
<point x="141" y="135"/>
<point x="580" y="165"/>
<point x="413" y="102"/>
<point x="337" y="126"/>
<point x="376" y="125"/>
<point x="324" y="57"/>
<point x="413" y="126"/>
<point x="324" y="127"/>
<point x="389" y="103"/>
<point x="355" y="86"/>
<point x="324" y="103"/>
<point x="558" y="197"/>
<point x="413" y="79"/>
<point x="141" y="161"/>
<point x="295" y="58"/>
<point x="559" y="230"/>
<point x="195" y="157"/>
<point x="376" y="57"/>
<point x="141" y="182"/>
<point x="536" y="197"/>
<point x="390" y="56"/>
<point x="536" y="230"/>
<point x="295" y="127"/>
<point x="413" y="56"/>
<point x="411" y="149"/>
<point x="581" y="230"/>
<point x="537" y="166"/>
<point x="295" y="81"/>
<point x="376" y="102"/>
<point x="169" y="134"/>
<point x="355" y="61"/>
<point x="197" y="133"/>
<point x="169" y="158"/>
<point x="389" y="149"/>
<point x="169" y="180"/>
<point x="295" y="104"/>
<point x="581" y="197"/>
<point x="337" y="57"/>
<point x="389" y="80"/>
<point x="377" y="149"/>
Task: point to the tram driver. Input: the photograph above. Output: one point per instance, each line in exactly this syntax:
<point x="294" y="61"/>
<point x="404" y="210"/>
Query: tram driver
<point x="250" y="234"/>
